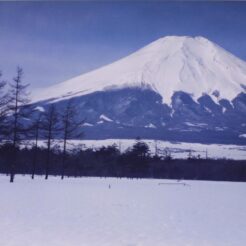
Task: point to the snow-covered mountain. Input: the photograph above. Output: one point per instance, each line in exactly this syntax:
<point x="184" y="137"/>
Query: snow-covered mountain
<point x="176" y="88"/>
<point x="170" y="64"/>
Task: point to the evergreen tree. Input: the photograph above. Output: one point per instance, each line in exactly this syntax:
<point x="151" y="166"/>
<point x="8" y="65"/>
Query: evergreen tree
<point x="140" y="149"/>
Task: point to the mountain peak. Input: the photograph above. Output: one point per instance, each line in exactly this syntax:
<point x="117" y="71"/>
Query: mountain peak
<point x="181" y="39"/>
<point x="173" y="63"/>
<point x="177" y="42"/>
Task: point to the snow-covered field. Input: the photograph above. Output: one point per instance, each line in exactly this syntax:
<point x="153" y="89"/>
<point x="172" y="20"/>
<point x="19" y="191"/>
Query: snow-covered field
<point x="176" y="149"/>
<point x="87" y="212"/>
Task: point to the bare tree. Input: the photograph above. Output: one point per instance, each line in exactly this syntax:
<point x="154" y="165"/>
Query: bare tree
<point x="3" y="108"/>
<point x="36" y="127"/>
<point x="70" y="129"/>
<point x="50" y="127"/>
<point x="19" y="114"/>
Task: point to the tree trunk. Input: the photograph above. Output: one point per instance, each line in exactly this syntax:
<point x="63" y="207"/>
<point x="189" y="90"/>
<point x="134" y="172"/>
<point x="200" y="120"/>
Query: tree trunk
<point x="12" y="177"/>
<point x="35" y="153"/>
<point x="64" y="153"/>
<point x="48" y="158"/>
<point x="34" y="162"/>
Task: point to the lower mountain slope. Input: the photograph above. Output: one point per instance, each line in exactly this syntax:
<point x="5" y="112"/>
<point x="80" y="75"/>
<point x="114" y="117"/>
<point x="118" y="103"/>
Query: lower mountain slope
<point x="140" y="112"/>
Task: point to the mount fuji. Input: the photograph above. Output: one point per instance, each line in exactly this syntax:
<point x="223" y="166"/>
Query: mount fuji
<point x="175" y="88"/>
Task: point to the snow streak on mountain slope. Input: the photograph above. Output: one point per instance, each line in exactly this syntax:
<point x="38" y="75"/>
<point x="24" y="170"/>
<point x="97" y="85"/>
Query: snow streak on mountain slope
<point x="192" y="65"/>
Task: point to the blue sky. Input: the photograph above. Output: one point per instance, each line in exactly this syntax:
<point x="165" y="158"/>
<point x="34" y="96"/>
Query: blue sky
<point x="55" y="41"/>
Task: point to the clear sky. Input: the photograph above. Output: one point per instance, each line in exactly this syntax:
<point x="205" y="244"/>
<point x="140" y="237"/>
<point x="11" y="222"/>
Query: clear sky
<point x="55" y="41"/>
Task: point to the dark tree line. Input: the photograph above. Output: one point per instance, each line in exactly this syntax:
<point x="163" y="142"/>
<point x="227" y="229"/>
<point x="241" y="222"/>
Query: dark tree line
<point x="110" y="162"/>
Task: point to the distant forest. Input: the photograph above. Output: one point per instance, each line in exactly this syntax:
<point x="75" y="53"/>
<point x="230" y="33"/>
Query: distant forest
<point x="20" y="122"/>
<point x="109" y="162"/>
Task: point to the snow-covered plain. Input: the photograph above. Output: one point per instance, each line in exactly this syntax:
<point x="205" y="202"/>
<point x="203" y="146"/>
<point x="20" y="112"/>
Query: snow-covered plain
<point x="176" y="149"/>
<point x="86" y="212"/>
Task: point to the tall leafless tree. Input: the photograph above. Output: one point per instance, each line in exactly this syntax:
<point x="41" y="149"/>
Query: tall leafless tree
<point x="70" y="129"/>
<point x="50" y="127"/>
<point x="3" y="107"/>
<point x="19" y="114"/>
<point x="36" y="127"/>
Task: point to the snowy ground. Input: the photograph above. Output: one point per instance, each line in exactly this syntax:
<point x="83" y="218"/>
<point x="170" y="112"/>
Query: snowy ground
<point x="177" y="149"/>
<point x="86" y="212"/>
